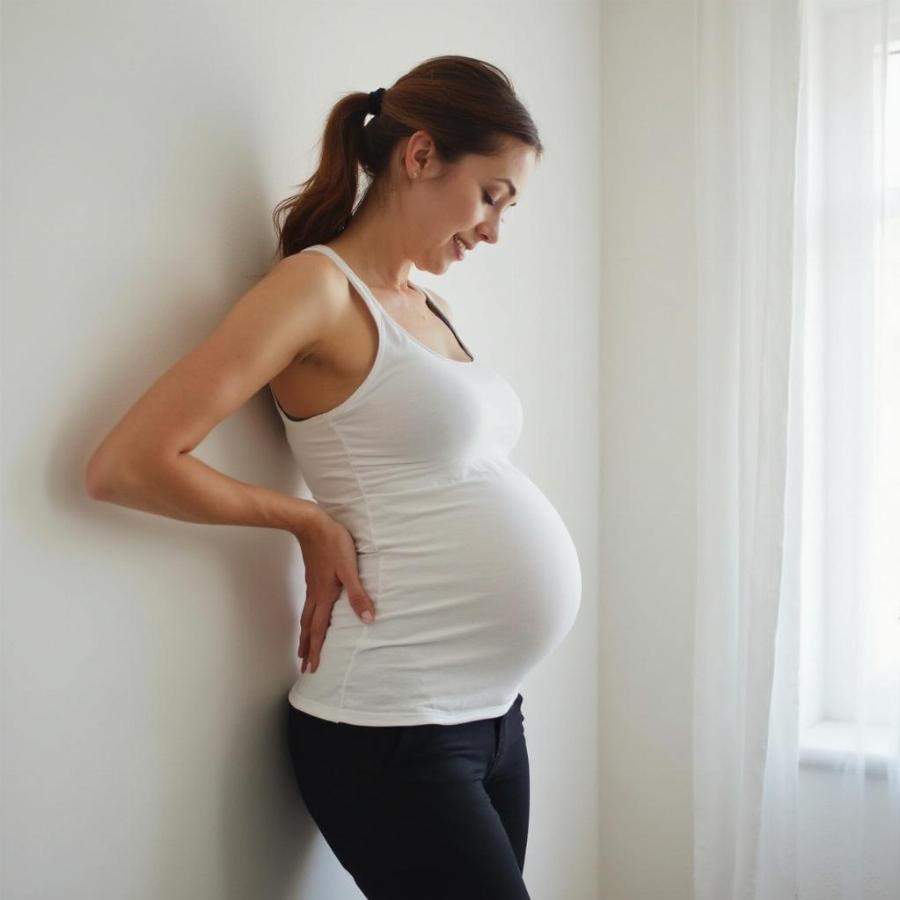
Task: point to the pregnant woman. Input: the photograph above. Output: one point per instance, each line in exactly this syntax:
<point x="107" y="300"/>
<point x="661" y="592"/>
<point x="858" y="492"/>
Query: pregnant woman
<point x="437" y="573"/>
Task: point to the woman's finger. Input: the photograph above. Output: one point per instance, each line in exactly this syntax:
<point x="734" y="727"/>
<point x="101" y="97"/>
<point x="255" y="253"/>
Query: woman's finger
<point x="305" y="623"/>
<point x="361" y="603"/>
<point x="321" y="619"/>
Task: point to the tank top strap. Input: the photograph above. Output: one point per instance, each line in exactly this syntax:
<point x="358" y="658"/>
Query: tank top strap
<point x="361" y="287"/>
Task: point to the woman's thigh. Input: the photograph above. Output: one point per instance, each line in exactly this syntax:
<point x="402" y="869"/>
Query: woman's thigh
<point x="412" y="811"/>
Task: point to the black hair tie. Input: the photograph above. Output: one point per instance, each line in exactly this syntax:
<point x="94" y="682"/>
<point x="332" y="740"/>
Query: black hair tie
<point x="375" y="101"/>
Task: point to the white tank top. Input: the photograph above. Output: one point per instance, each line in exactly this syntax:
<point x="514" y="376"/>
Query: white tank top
<point x="473" y="573"/>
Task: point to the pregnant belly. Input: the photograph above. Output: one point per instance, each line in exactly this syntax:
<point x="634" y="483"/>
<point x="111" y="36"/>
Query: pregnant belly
<point x="481" y="572"/>
<point x="474" y="582"/>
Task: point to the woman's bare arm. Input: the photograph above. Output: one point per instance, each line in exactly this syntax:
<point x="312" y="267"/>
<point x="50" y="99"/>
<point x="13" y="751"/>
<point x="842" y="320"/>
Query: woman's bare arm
<point x="145" y="462"/>
<point x="192" y="491"/>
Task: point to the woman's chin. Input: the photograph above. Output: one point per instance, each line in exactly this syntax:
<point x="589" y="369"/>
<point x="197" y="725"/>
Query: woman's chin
<point x="437" y="264"/>
<point x="435" y="268"/>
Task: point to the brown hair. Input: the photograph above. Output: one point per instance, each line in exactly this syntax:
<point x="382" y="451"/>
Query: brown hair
<point x="467" y="106"/>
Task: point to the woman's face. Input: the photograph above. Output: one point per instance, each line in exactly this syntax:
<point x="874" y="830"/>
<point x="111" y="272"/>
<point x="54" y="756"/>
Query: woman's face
<point x="466" y="199"/>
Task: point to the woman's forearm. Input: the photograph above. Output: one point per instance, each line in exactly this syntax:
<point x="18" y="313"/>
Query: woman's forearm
<point x="186" y="488"/>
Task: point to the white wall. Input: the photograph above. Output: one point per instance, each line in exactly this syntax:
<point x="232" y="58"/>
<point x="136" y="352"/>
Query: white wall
<point x="648" y="449"/>
<point x="146" y="661"/>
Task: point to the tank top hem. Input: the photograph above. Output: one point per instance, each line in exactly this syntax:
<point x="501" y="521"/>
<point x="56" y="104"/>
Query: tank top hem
<point x="414" y="717"/>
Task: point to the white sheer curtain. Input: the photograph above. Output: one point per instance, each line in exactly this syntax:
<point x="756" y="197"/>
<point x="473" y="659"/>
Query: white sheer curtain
<point x="849" y="711"/>
<point x="798" y="579"/>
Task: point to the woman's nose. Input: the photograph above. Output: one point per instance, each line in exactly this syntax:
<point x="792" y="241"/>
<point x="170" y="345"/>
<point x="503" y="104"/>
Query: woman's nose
<point x="490" y="233"/>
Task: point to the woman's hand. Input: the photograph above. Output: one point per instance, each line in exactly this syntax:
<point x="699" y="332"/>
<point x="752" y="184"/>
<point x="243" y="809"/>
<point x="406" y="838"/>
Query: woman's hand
<point x="329" y="557"/>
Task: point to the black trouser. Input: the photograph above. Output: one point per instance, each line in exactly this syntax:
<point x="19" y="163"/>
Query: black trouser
<point x="420" y="811"/>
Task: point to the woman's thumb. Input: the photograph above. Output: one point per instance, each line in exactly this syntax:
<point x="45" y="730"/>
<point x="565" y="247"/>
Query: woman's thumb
<point x="361" y="602"/>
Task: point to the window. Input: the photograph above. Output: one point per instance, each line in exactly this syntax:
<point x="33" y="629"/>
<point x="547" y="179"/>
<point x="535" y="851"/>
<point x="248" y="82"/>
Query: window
<point x="850" y="558"/>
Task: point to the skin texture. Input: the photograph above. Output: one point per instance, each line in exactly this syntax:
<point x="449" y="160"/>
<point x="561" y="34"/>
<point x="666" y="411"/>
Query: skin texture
<point x="410" y="218"/>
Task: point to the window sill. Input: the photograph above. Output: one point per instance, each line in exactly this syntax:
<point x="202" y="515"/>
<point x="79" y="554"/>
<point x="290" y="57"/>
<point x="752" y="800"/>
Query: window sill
<point x="842" y="746"/>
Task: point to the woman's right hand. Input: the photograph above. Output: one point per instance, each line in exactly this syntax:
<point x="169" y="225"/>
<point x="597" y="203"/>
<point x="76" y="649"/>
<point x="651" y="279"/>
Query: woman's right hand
<point x="329" y="557"/>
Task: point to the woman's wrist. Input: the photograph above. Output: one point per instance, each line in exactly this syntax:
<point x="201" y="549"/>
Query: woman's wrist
<point x="308" y="516"/>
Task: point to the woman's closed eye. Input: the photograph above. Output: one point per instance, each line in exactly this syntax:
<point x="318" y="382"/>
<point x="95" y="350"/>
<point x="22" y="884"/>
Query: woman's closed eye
<point x="491" y="202"/>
